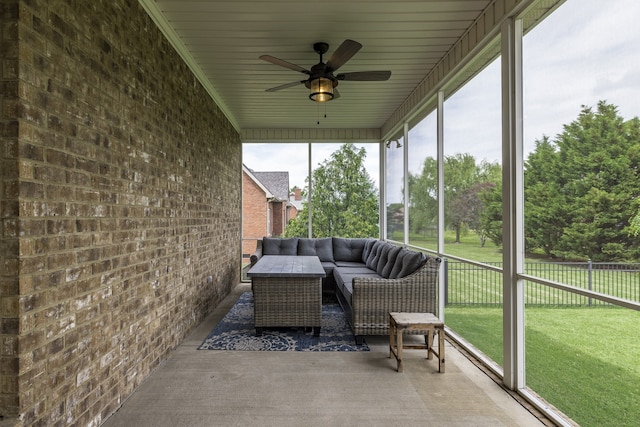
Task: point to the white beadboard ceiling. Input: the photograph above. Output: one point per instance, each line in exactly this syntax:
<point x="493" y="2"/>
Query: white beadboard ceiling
<point x="222" y="40"/>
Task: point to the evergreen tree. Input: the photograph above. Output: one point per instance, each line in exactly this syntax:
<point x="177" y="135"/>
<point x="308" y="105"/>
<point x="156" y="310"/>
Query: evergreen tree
<point x="545" y="204"/>
<point x="581" y="192"/>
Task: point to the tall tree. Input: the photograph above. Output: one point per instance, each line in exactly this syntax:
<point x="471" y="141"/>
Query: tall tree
<point x="463" y="203"/>
<point x="344" y="199"/>
<point x="580" y="195"/>
<point x="461" y="174"/>
<point x="468" y="208"/>
<point x="634" y="225"/>
<point x="423" y="201"/>
<point x="491" y="217"/>
<point x="545" y="203"/>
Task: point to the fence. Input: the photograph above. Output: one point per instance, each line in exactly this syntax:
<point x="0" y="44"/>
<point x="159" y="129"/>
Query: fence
<point x="467" y="284"/>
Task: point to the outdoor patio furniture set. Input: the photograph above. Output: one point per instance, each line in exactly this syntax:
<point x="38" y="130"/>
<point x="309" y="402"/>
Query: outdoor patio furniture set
<point x="370" y="278"/>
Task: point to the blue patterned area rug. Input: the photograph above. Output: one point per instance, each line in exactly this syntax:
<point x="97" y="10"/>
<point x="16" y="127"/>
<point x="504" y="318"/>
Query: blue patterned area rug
<point x="236" y="331"/>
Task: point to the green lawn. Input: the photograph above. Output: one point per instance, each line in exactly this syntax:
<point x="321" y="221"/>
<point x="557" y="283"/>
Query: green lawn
<point x="584" y="361"/>
<point x="468" y="248"/>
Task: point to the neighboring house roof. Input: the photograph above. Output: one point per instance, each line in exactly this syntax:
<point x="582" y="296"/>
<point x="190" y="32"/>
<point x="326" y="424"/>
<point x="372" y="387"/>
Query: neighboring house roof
<point x="296" y="203"/>
<point x="296" y="199"/>
<point x="275" y="184"/>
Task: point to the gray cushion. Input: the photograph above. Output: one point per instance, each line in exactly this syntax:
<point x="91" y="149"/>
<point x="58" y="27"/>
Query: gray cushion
<point x="367" y="249"/>
<point x="322" y="248"/>
<point x="345" y="285"/>
<point x="278" y="246"/>
<point x="383" y="255"/>
<point x="348" y="249"/>
<point x="361" y="271"/>
<point x="350" y="264"/>
<point x="328" y="267"/>
<point x="372" y="259"/>
<point x="406" y="263"/>
<point x="391" y="260"/>
<point x="344" y="281"/>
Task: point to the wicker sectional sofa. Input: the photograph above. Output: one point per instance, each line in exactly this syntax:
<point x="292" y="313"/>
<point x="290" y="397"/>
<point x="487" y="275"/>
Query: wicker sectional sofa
<point x="369" y="277"/>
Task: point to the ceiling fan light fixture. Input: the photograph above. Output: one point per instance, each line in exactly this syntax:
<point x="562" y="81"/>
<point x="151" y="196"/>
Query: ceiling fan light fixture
<point x="321" y="89"/>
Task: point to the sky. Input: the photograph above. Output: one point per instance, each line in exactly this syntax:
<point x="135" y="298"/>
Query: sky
<point x="570" y="60"/>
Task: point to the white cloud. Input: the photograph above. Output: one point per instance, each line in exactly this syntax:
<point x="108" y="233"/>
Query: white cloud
<point x="582" y="53"/>
<point x="269" y="157"/>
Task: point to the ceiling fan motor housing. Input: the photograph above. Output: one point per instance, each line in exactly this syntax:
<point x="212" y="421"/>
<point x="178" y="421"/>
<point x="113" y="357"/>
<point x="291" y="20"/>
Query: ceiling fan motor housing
<point x="321" y="80"/>
<point x="318" y="71"/>
<point x="321" y="48"/>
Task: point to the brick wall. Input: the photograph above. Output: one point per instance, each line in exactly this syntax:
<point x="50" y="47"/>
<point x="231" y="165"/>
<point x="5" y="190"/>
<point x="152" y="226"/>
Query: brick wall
<point x="278" y="218"/>
<point x="9" y="247"/>
<point x="120" y="210"/>
<point x="254" y="214"/>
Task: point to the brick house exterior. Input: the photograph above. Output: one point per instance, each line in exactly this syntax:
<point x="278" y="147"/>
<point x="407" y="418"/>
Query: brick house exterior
<point x="266" y="206"/>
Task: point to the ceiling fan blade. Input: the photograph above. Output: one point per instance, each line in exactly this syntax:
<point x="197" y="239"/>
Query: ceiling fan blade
<point x="285" y="64"/>
<point x="342" y="54"/>
<point x="336" y="94"/>
<point x="284" y="86"/>
<point x="365" y="76"/>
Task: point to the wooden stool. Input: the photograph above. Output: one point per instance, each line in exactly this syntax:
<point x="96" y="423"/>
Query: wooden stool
<point x="401" y="322"/>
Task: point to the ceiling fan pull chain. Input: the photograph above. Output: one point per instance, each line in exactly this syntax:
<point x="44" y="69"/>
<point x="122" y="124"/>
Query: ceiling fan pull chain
<point x="318" y="111"/>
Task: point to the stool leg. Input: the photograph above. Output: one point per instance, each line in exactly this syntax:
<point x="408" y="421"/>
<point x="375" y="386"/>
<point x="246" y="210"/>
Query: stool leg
<point x="430" y="344"/>
<point x="392" y="338"/>
<point x="441" y="350"/>
<point x="399" y="343"/>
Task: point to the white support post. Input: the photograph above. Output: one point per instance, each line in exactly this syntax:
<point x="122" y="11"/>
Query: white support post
<point x="309" y="205"/>
<point x="440" y="162"/>
<point x="405" y="165"/>
<point x="513" y="205"/>
<point x="383" y="192"/>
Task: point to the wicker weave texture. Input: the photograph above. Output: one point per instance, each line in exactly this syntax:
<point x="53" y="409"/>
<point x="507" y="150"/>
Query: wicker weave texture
<point x="373" y="299"/>
<point x="287" y="301"/>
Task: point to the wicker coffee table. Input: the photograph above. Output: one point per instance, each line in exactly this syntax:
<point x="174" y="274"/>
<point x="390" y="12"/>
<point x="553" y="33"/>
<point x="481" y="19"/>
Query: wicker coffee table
<point x="287" y="292"/>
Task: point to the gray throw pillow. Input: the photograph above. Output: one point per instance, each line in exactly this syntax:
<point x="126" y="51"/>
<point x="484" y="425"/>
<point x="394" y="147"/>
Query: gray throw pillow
<point x="374" y="255"/>
<point x="321" y="247"/>
<point x="348" y="249"/>
<point x="307" y="247"/>
<point x="410" y="263"/>
<point x="367" y="249"/>
<point x="324" y="249"/>
<point x="278" y="246"/>
<point x="397" y="266"/>
<point x="383" y="257"/>
<point x="391" y="260"/>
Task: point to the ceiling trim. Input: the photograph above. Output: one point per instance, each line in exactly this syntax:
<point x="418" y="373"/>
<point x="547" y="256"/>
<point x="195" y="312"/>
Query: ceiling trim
<point x="158" y="18"/>
<point x="310" y="135"/>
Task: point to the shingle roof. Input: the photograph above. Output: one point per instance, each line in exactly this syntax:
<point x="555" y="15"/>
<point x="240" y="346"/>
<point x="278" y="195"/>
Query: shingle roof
<point x="276" y="182"/>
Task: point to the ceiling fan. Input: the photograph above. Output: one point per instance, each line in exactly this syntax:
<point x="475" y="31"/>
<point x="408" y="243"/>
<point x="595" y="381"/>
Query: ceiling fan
<point x="322" y="81"/>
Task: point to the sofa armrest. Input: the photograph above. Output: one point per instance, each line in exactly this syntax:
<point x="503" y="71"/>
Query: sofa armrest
<point x="374" y="298"/>
<point x="257" y="254"/>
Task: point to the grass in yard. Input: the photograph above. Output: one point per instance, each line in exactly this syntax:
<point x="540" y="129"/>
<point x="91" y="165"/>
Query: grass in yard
<point x="469" y="246"/>
<point x="584" y="361"/>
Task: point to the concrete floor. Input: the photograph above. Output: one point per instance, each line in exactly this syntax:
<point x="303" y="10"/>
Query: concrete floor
<point x="250" y="388"/>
